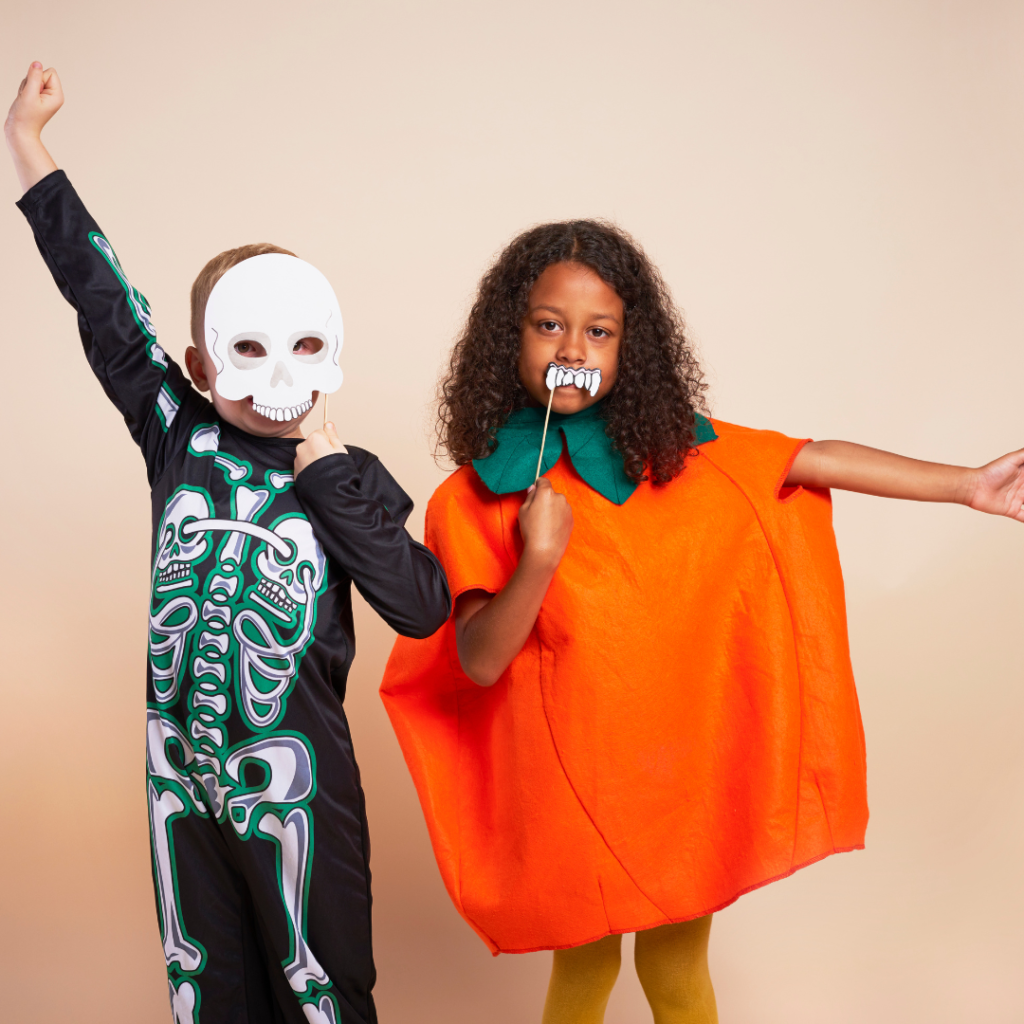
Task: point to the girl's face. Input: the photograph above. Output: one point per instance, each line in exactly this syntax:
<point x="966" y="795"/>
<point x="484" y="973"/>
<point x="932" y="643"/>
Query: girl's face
<point x="574" y="319"/>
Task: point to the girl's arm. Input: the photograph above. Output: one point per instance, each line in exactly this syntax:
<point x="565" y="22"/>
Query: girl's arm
<point x="997" y="488"/>
<point x="491" y="628"/>
<point x="39" y="98"/>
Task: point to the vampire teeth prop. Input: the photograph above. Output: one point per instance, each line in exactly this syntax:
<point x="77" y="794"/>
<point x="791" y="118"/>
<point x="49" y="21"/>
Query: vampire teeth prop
<point x="283" y="415"/>
<point x="563" y="377"/>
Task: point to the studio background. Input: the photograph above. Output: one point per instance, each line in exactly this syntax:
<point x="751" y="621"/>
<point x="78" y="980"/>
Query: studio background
<point x="833" y="192"/>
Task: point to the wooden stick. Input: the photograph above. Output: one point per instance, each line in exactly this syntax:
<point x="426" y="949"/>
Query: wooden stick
<point x="544" y="436"/>
<point x="325" y="410"/>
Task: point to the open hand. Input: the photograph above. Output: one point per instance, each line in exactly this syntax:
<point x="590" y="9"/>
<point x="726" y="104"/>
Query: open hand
<point x="317" y="445"/>
<point x="39" y="98"/>
<point x="998" y="488"/>
<point x="545" y="521"/>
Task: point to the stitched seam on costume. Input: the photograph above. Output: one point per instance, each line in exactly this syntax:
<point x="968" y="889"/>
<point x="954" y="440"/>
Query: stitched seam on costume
<point x="583" y="806"/>
<point x="792" y="627"/>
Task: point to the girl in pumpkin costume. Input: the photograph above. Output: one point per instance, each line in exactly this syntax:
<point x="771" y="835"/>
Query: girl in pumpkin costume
<point x="642" y="706"/>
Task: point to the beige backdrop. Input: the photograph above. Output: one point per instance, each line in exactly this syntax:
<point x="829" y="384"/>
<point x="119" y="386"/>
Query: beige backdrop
<point x="833" y="190"/>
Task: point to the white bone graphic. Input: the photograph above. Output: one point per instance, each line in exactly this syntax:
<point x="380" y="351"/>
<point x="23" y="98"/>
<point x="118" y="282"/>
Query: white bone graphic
<point x="281" y="588"/>
<point x="177" y="949"/>
<point x="207" y="439"/>
<point x="174" y="637"/>
<point x="322" y="1013"/>
<point x="237" y="525"/>
<point x="248" y="503"/>
<point x="163" y="807"/>
<point x="202" y="667"/>
<point x="256" y="658"/>
<point x="289" y="776"/>
<point x="183" y="1002"/>
<point x="213" y="612"/>
<point x="293" y="836"/>
<point x="178" y="548"/>
<point x="160" y="731"/>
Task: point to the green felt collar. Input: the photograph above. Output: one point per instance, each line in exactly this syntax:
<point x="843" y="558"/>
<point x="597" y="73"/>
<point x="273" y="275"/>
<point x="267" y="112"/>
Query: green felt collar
<point x="513" y="463"/>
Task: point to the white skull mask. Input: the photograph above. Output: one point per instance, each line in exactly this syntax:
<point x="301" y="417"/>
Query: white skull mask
<point x="275" y="301"/>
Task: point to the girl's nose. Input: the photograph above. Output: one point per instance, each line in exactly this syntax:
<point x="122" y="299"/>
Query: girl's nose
<point x="573" y="348"/>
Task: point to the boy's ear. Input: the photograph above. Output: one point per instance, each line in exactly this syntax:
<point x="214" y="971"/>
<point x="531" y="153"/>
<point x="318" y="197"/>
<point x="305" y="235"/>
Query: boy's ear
<point x="196" y="370"/>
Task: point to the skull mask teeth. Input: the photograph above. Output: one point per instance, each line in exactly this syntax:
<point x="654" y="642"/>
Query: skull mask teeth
<point x="283" y="415"/>
<point x="274" y="301"/>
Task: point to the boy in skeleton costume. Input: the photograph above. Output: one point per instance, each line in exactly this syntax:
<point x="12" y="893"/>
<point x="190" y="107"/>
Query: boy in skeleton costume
<point x="258" y="830"/>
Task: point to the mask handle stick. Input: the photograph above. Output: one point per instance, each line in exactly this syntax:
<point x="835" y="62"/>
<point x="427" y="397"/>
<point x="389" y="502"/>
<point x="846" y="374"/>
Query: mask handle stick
<point x="544" y="436"/>
<point x="325" y="410"/>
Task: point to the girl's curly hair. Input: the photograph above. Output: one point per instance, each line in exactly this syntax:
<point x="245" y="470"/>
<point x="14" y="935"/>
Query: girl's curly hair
<point x="650" y="410"/>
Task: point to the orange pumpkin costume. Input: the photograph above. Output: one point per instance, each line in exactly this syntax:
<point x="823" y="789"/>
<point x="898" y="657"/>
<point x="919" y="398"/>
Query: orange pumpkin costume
<point x="681" y="726"/>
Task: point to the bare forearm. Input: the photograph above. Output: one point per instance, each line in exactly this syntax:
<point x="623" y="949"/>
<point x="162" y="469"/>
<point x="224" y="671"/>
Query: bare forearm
<point x="854" y="467"/>
<point x="492" y="636"/>
<point x="32" y="162"/>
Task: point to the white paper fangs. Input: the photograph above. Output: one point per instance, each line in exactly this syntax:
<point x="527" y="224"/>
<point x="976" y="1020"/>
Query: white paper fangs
<point x="566" y="377"/>
<point x="275" y="301"/>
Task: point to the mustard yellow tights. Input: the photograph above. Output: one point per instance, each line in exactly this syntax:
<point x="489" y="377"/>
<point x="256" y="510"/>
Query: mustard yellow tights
<point x="671" y="963"/>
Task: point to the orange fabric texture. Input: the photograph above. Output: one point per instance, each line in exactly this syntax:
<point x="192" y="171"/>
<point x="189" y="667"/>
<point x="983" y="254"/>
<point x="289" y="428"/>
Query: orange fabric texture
<point x="682" y="724"/>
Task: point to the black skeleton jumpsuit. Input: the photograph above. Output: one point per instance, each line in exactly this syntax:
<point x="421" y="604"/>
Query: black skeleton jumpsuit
<point x="257" y="821"/>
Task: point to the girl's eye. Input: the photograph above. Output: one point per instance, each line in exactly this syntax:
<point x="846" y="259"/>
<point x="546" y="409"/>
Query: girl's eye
<point x="548" y="325"/>
<point x="307" y="346"/>
<point x="599" y="332"/>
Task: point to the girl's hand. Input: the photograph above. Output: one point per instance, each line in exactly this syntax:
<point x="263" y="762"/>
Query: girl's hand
<point x="545" y="521"/>
<point x="490" y="629"/>
<point x="317" y="445"/>
<point x="39" y="98"/>
<point x="999" y="487"/>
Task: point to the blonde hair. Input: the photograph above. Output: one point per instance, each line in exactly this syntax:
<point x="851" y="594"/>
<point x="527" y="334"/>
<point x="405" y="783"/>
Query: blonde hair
<point x="213" y="272"/>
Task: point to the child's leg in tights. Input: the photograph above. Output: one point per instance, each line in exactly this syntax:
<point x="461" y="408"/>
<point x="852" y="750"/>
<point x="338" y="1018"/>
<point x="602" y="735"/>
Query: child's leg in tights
<point x="581" y="982"/>
<point x="672" y="965"/>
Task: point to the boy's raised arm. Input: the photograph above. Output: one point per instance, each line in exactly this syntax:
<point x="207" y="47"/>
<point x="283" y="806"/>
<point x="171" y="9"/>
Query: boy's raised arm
<point x="39" y="97"/>
<point x="114" y="318"/>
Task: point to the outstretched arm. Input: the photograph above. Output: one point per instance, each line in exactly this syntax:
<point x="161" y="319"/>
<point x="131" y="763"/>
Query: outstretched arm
<point x="996" y="488"/>
<point x="39" y="98"/>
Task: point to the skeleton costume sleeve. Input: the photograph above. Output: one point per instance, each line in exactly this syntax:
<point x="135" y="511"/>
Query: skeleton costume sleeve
<point x="114" y="321"/>
<point x="357" y="511"/>
<point x="257" y="823"/>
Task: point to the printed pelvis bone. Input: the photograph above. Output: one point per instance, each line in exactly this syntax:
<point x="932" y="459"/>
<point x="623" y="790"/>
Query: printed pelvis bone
<point x="287" y="588"/>
<point x="566" y="376"/>
<point x="275" y="301"/>
<point x="165" y="804"/>
<point x="178" y="551"/>
<point x="288" y="779"/>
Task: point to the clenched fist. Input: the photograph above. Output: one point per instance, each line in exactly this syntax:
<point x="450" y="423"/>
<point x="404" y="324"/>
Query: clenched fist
<point x="545" y="521"/>
<point x="317" y="445"/>
<point x="39" y="98"/>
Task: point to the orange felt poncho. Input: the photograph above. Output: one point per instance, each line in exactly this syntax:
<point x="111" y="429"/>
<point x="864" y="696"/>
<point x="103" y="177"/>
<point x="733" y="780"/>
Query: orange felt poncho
<point x="682" y="724"/>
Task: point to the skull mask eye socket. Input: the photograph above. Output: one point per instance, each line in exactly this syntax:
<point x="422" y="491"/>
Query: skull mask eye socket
<point x="248" y="351"/>
<point x="308" y="347"/>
